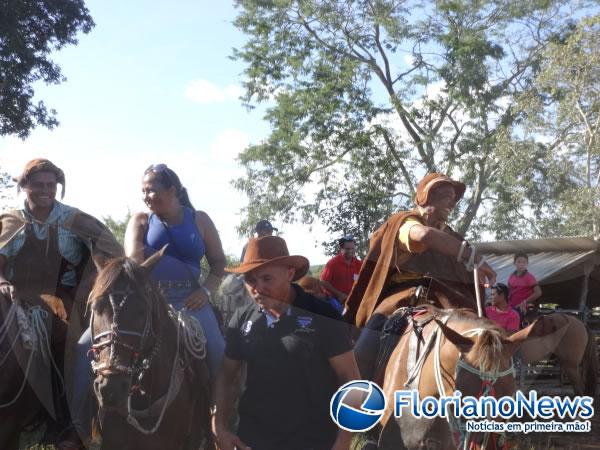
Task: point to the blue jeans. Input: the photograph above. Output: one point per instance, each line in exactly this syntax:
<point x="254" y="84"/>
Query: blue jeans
<point x="81" y="411"/>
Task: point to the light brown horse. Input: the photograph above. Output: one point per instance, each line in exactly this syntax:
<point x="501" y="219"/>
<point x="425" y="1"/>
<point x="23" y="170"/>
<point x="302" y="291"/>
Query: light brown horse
<point x="459" y="352"/>
<point x="576" y="351"/>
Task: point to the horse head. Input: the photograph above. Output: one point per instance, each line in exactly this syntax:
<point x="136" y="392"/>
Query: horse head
<point x="485" y="358"/>
<point x="231" y="296"/>
<point x="125" y="311"/>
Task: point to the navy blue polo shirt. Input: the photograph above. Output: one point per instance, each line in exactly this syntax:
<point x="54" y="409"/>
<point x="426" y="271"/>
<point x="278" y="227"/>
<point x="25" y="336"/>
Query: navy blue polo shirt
<point x="289" y="379"/>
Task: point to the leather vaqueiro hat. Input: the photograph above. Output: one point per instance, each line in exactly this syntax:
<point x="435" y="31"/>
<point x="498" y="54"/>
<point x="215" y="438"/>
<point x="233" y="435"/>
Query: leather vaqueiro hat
<point x="433" y="180"/>
<point x="40" y="165"/>
<point x="269" y="250"/>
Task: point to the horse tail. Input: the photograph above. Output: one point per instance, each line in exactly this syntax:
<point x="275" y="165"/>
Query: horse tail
<point x="590" y="365"/>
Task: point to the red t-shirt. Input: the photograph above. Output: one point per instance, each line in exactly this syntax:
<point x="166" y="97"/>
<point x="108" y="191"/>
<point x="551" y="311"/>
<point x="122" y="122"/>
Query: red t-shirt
<point x="509" y="319"/>
<point x="520" y="287"/>
<point x="340" y="274"/>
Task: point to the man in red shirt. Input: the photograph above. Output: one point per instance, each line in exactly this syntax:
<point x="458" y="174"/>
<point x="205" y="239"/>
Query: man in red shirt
<point x="500" y="312"/>
<point x="342" y="270"/>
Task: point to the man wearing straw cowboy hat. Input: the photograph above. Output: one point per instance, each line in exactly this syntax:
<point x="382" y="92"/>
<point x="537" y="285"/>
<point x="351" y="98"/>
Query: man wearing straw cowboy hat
<point x="414" y="256"/>
<point x="297" y="352"/>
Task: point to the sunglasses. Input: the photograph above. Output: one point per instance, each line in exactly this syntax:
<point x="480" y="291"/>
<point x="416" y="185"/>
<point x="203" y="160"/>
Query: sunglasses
<point x="157" y="168"/>
<point x="162" y="169"/>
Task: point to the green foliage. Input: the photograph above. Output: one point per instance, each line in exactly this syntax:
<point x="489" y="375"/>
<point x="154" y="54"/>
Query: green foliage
<point x="366" y="96"/>
<point x="230" y="261"/>
<point x="563" y="108"/>
<point x="118" y="226"/>
<point x="315" y="271"/>
<point x="7" y="191"/>
<point x="29" y="32"/>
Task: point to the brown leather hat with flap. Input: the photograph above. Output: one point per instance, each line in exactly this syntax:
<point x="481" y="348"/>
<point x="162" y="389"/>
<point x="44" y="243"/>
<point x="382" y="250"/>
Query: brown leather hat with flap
<point x="270" y="250"/>
<point x="433" y="180"/>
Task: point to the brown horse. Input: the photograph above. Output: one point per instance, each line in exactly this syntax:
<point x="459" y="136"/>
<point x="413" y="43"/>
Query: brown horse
<point x="151" y="382"/>
<point x="459" y="351"/>
<point x="576" y="352"/>
<point x="19" y="405"/>
<point x="32" y="339"/>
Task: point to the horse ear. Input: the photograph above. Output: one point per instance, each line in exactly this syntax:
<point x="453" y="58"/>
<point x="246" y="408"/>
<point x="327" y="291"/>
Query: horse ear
<point x="463" y="343"/>
<point x="536" y="340"/>
<point x="99" y="259"/>
<point x="153" y="259"/>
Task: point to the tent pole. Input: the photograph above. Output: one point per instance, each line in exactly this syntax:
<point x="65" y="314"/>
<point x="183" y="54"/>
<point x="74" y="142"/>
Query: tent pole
<point x="583" y="310"/>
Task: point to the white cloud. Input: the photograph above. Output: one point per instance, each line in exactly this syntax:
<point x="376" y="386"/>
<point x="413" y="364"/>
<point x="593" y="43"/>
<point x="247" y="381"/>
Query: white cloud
<point x="204" y="92"/>
<point x="228" y="144"/>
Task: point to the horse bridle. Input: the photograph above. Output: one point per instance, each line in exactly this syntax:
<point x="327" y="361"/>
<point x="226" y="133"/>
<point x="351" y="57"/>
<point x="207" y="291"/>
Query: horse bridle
<point x="488" y="381"/>
<point x="112" y="338"/>
<point x="140" y="362"/>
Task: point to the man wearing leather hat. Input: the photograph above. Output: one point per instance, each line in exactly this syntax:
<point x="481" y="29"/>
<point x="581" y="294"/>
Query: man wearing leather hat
<point x="414" y="257"/>
<point x="297" y="351"/>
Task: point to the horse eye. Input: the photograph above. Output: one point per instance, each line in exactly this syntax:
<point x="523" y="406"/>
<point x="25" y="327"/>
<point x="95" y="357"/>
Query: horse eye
<point x="99" y="303"/>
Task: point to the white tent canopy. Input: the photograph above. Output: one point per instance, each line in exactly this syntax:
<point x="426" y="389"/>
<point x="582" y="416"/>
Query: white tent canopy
<point x="550" y="260"/>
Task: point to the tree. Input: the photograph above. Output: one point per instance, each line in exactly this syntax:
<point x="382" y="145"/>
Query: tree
<point x="118" y="227"/>
<point x="563" y="109"/>
<point x="367" y="96"/>
<point x="230" y="261"/>
<point x="29" y="31"/>
<point x="7" y="191"/>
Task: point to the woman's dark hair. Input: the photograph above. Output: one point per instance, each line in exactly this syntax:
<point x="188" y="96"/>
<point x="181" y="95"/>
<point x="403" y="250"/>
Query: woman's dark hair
<point x="168" y="178"/>
<point x="521" y="255"/>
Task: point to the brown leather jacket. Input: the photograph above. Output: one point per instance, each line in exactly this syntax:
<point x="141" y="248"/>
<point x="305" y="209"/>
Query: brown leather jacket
<point x="99" y="242"/>
<point x="386" y="258"/>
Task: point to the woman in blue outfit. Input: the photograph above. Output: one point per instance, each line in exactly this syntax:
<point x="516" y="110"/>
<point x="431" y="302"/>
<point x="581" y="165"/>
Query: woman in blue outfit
<point x="190" y="236"/>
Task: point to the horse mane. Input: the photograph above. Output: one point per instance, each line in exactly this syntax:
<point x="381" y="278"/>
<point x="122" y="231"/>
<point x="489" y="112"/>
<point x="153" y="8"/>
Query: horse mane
<point x="231" y="284"/>
<point x="487" y="351"/>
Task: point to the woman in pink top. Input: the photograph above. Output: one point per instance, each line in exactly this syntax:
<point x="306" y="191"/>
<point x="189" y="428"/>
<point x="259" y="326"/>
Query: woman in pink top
<point x="524" y="289"/>
<point x="500" y="312"/>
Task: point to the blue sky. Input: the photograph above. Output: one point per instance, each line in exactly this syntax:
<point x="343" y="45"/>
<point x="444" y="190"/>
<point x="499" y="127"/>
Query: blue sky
<point x="153" y="82"/>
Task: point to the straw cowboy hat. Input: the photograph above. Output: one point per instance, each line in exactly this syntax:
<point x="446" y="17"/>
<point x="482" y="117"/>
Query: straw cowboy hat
<point x="433" y="180"/>
<point x="270" y="250"/>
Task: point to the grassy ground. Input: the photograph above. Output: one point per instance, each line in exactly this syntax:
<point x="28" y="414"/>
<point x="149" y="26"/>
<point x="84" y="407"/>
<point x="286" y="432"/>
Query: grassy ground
<point x="30" y="440"/>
